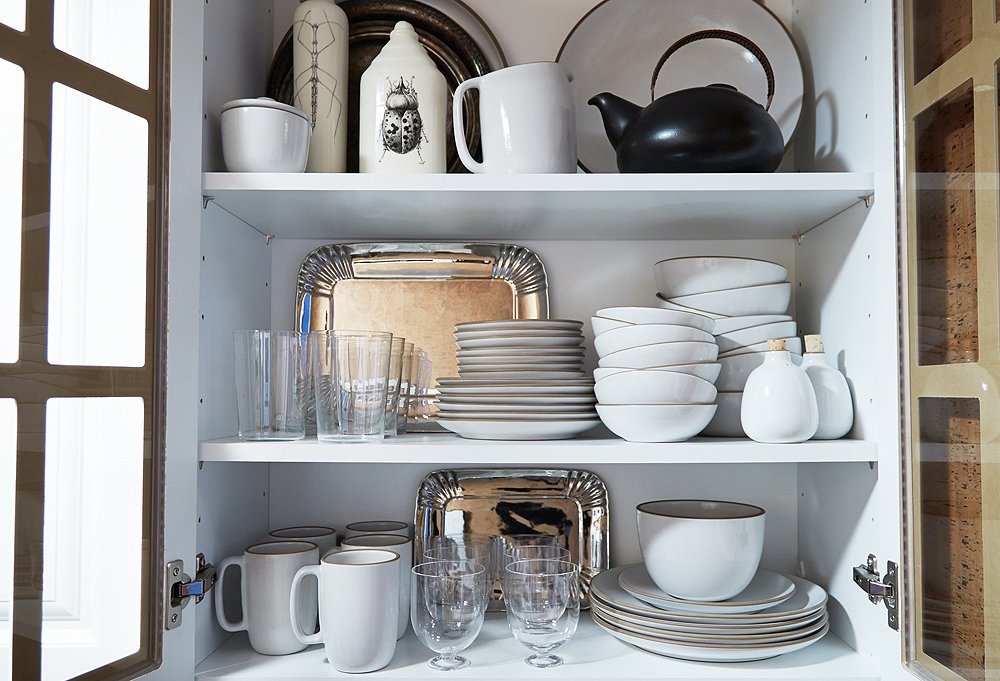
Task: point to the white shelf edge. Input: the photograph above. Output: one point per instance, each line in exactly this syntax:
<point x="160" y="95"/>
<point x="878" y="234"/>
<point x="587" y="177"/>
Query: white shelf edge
<point x="592" y="654"/>
<point x="450" y="449"/>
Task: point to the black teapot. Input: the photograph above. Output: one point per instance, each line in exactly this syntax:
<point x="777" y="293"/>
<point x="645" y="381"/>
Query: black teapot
<point x="711" y="129"/>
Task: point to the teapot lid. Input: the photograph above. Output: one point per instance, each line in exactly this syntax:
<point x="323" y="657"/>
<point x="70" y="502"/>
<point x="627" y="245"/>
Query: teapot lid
<point x="263" y="103"/>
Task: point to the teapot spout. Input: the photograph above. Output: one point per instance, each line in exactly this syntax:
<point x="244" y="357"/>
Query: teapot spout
<point x="617" y="114"/>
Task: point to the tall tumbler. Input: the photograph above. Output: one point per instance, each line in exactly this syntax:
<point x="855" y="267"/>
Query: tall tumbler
<point x="392" y="390"/>
<point x="403" y="408"/>
<point x="269" y="385"/>
<point x="351" y="375"/>
<point x="420" y="408"/>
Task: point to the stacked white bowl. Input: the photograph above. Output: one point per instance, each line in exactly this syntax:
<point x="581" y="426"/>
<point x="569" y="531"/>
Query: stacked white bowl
<point x="748" y="299"/>
<point x="655" y="380"/>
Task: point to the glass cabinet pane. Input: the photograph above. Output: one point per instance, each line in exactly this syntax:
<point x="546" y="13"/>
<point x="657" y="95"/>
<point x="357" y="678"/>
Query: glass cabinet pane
<point x="8" y="465"/>
<point x="940" y="29"/>
<point x="110" y="34"/>
<point x="12" y="14"/>
<point x="11" y="163"/>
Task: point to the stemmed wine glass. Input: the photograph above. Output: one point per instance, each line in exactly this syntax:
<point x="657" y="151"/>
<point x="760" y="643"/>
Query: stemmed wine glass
<point x="543" y="606"/>
<point x="447" y="607"/>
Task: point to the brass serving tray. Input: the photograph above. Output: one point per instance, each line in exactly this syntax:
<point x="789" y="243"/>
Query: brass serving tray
<point x="572" y="504"/>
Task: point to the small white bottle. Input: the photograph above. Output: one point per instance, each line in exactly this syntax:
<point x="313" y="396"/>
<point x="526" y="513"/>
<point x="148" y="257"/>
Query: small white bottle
<point x="833" y="397"/>
<point x="779" y="405"/>
<point x="403" y="109"/>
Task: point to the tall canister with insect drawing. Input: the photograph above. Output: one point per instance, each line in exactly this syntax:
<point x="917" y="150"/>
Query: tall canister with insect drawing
<point x="403" y="109"/>
<point x="319" y="67"/>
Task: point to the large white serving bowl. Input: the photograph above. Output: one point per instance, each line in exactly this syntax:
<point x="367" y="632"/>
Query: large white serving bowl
<point x="747" y="300"/>
<point x="727" y="421"/>
<point x="736" y="369"/>
<point x="654" y="387"/>
<point x="657" y="315"/>
<point x="793" y="344"/>
<point x="661" y="354"/>
<point x="755" y="334"/>
<point x="700" y="550"/>
<point x="655" y="422"/>
<point x="706" y="370"/>
<point x="601" y="324"/>
<point x="674" y="307"/>
<point x="647" y="334"/>
<point x="685" y="276"/>
<point x="729" y="324"/>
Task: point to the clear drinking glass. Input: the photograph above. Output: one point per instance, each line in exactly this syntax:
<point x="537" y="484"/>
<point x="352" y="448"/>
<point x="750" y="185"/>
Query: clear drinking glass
<point x="351" y="375"/>
<point x="269" y="385"/>
<point x="538" y="552"/>
<point x="447" y="607"/>
<point x="543" y="606"/>
<point x="392" y="389"/>
<point x="405" y="381"/>
<point x="420" y="405"/>
<point x="507" y="542"/>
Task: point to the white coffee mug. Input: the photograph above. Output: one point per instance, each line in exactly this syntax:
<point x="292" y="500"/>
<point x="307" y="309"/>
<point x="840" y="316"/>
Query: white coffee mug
<point x="527" y="121"/>
<point x="377" y="527"/>
<point x="404" y="547"/>
<point x="323" y="537"/>
<point x="358" y="608"/>
<point x="266" y="574"/>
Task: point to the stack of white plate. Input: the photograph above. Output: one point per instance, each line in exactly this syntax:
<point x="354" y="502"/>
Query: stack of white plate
<point x="655" y="380"/>
<point x="518" y="380"/>
<point x="774" y="615"/>
<point x="748" y="300"/>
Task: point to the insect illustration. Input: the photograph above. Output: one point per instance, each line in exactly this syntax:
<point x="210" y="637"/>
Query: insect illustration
<point x="316" y="32"/>
<point x="402" y="127"/>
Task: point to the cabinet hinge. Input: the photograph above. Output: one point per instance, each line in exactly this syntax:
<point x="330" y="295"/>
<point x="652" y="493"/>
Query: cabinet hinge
<point x="180" y="588"/>
<point x="879" y="589"/>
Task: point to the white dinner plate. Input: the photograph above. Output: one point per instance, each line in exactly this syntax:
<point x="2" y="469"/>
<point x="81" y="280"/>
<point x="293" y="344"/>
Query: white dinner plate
<point x="725" y="638"/>
<point x="708" y="652"/>
<point x="519" y="324"/>
<point x="503" y="333"/>
<point x="521" y="341"/>
<point x="465" y="407"/>
<point x="464" y="368"/>
<point x="766" y="589"/>
<point x="517" y="430"/>
<point x="451" y="381"/>
<point x="518" y="375"/>
<point x="506" y="360"/>
<point x="520" y="352"/>
<point x="516" y="389"/>
<point x="519" y="400"/>
<point x="582" y="414"/>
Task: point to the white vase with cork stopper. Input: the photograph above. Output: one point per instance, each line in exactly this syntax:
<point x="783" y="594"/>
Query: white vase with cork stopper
<point x="403" y="109"/>
<point x="779" y="405"/>
<point x="833" y="396"/>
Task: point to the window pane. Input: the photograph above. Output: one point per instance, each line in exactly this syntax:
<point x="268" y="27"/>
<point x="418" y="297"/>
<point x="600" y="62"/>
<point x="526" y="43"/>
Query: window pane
<point x="93" y="533"/>
<point x="8" y="458"/>
<point x="110" y="34"/>
<point x="11" y="161"/>
<point x="12" y="14"/>
<point x="97" y="258"/>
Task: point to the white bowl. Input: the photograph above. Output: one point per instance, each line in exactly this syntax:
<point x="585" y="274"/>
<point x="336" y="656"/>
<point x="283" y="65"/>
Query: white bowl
<point x="684" y="276"/>
<point x="755" y="334"/>
<point x="746" y="300"/>
<point x="727" y="421"/>
<point x="700" y="550"/>
<point x="264" y="136"/>
<point x="647" y="334"/>
<point x="706" y="370"/>
<point x="657" y="315"/>
<point x="794" y="345"/>
<point x="668" y="305"/>
<point x="601" y="324"/>
<point x="729" y="324"/>
<point x="654" y="387"/>
<point x="661" y="354"/>
<point x="655" y="422"/>
<point x="735" y="369"/>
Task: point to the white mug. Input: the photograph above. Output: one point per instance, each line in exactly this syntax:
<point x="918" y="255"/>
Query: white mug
<point x="377" y="527"/>
<point x="404" y="547"/>
<point x="323" y="537"/>
<point x="527" y="121"/>
<point x="358" y="608"/>
<point x="266" y="574"/>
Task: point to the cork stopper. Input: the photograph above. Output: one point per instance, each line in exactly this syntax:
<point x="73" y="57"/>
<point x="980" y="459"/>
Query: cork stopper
<point x="814" y="343"/>
<point x="777" y="344"/>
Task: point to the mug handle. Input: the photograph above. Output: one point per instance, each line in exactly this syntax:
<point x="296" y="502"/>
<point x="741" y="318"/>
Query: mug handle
<point x="220" y="613"/>
<point x="293" y="606"/>
<point x="458" y="124"/>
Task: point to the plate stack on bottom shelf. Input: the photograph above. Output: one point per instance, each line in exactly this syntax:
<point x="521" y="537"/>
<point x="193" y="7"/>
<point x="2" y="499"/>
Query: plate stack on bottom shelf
<point x="518" y="380"/>
<point x="773" y="616"/>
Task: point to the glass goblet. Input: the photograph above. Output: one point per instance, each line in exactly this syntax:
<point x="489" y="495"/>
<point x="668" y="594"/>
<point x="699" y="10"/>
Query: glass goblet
<point x="447" y="607"/>
<point x="543" y="606"/>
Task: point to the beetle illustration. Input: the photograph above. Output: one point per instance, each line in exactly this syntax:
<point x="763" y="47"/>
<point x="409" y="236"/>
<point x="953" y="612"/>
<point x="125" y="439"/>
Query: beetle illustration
<point x="402" y="127"/>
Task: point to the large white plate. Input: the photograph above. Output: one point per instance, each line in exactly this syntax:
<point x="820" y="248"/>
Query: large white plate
<point x="807" y="599"/>
<point x="579" y="415"/>
<point x="521" y="324"/>
<point x="724" y="638"/>
<point x="476" y="353"/>
<point x="470" y="369"/>
<point x="506" y="360"/>
<point x="708" y="652"/>
<point x="517" y="389"/>
<point x="766" y="589"/>
<point x="458" y="381"/>
<point x="521" y="342"/>
<point x="503" y="333"/>
<point x="466" y="408"/>
<point x="530" y="375"/>
<point x="517" y="400"/>
<point x="517" y="430"/>
<point x="616" y="46"/>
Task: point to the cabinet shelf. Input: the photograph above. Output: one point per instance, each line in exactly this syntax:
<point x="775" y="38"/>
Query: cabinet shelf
<point x="533" y="207"/>
<point x="450" y="449"/>
<point x="592" y="654"/>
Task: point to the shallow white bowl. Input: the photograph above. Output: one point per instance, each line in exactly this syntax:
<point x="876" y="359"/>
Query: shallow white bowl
<point x="726" y="422"/>
<point x="700" y="550"/>
<point x="601" y="324"/>
<point x="684" y="276"/>
<point x="706" y="370"/>
<point x="668" y="305"/>
<point x="729" y="324"/>
<point x="794" y="345"/>
<point x="747" y="300"/>
<point x="654" y="387"/>
<point x="736" y="369"/>
<point x="655" y="422"/>
<point x="661" y="354"/>
<point x="647" y="334"/>
<point x="657" y="315"/>
<point x="755" y="334"/>
<point x="264" y="136"/>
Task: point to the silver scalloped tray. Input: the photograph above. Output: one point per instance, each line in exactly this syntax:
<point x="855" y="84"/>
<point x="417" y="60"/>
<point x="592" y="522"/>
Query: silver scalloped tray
<point x="572" y="504"/>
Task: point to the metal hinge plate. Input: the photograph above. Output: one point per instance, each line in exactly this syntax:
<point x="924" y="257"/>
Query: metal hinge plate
<point x="879" y="589"/>
<point x="180" y="589"/>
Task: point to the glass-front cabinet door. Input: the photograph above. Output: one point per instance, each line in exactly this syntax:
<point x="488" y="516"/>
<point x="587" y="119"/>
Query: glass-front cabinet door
<point x="949" y="100"/>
